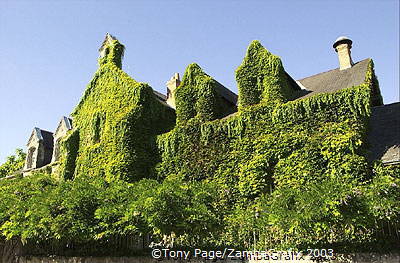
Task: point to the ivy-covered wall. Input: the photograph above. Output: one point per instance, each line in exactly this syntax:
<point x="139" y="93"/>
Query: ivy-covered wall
<point x="372" y="81"/>
<point x="198" y="96"/>
<point x="116" y="123"/>
<point x="289" y="174"/>
<point x="261" y="77"/>
<point x="276" y="174"/>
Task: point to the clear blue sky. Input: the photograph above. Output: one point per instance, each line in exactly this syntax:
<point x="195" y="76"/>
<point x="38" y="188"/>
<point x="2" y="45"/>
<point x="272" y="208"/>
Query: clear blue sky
<point x="49" y="49"/>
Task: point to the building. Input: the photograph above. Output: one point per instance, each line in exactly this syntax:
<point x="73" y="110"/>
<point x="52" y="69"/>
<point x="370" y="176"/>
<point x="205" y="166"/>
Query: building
<point x="43" y="147"/>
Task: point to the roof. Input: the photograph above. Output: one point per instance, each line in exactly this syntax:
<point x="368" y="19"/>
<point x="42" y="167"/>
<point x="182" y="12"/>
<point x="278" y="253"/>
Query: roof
<point x="222" y="90"/>
<point x="334" y="80"/>
<point x="42" y="135"/>
<point x="160" y="96"/>
<point x="67" y="123"/>
<point x="47" y="138"/>
<point x="384" y="133"/>
<point x="227" y="93"/>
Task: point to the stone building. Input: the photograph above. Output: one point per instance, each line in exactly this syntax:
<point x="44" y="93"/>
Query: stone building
<point x="43" y="146"/>
<point x="228" y="97"/>
<point x="384" y="135"/>
<point x="39" y="149"/>
<point x="64" y="126"/>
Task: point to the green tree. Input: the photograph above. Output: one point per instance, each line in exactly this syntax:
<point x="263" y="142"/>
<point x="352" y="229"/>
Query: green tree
<point x="13" y="164"/>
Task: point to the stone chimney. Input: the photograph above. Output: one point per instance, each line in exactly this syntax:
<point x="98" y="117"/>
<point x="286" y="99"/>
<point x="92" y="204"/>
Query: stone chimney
<point x="172" y="84"/>
<point x="107" y="41"/>
<point x="342" y="46"/>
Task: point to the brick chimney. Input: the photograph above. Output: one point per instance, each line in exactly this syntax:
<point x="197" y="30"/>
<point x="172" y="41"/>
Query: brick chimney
<point x="342" y="46"/>
<point x="172" y="84"/>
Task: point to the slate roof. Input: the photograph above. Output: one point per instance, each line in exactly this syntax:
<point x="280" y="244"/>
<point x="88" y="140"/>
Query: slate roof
<point x="334" y="80"/>
<point x="47" y="137"/>
<point x="160" y="96"/>
<point x="48" y="143"/>
<point x="227" y="94"/>
<point x="384" y="133"/>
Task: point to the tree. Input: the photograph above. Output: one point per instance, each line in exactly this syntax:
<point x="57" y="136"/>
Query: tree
<point x="13" y="164"/>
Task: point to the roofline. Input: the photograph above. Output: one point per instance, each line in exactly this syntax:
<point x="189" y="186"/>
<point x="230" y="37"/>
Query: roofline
<point x="45" y="131"/>
<point x="293" y="81"/>
<point x="332" y="70"/>
<point x="233" y="94"/>
<point x="390" y="104"/>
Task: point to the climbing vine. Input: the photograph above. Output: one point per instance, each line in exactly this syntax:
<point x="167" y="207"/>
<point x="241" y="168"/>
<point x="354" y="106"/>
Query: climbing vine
<point x="198" y="96"/>
<point x="275" y="174"/>
<point x="261" y="77"/>
<point x="116" y="124"/>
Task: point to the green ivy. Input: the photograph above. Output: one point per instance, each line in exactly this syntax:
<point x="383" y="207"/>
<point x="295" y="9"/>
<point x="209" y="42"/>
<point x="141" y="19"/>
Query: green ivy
<point x="116" y="123"/>
<point x="276" y="174"/>
<point x="261" y="77"/>
<point x="198" y="96"/>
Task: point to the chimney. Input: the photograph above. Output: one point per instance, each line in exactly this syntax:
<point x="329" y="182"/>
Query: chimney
<point x="342" y="46"/>
<point x="172" y="84"/>
<point x="107" y="41"/>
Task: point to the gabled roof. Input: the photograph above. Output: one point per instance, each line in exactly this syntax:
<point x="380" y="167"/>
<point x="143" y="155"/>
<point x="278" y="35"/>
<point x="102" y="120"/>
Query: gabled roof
<point x="384" y="133"/>
<point x="160" y="96"/>
<point x="334" y="80"/>
<point x="47" y="138"/>
<point x="67" y="122"/>
<point x="41" y="135"/>
<point x="226" y="93"/>
<point x="222" y="90"/>
<point x="35" y="135"/>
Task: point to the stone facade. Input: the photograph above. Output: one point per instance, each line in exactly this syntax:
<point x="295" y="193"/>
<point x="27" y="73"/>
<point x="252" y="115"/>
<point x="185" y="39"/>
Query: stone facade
<point x="108" y="40"/>
<point x="64" y="126"/>
<point x="172" y="84"/>
<point x="39" y="149"/>
<point x="43" y="147"/>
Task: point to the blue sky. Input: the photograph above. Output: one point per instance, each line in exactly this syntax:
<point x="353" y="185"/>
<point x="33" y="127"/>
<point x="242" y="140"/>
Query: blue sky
<point x="49" y="49"/>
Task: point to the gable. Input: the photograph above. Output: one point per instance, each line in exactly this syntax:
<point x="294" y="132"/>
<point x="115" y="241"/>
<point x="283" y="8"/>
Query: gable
<point x="334" y="80"/>
<point x="65" y="123"/>
<point x="36" y="136"/>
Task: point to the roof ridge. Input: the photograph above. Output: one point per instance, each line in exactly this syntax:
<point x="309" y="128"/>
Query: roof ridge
<point x="331" y="70"/>
<point x="390" y="104"/>
<point x="45" y="131"/>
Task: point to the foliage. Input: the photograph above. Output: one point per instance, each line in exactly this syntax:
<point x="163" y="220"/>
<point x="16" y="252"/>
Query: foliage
<point x="261" y="77"/>
<point x="90" y="208"/>
<point x="69" y="151"/>
<point x="114" y="54"/>
<point x="115" y="124"/>
<point x="300" y="166"/>
<point x="197" y="96"/>
<point x="276" y="174"/>
<point x="13" y="164"/>
<point x="372" y="81"/>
